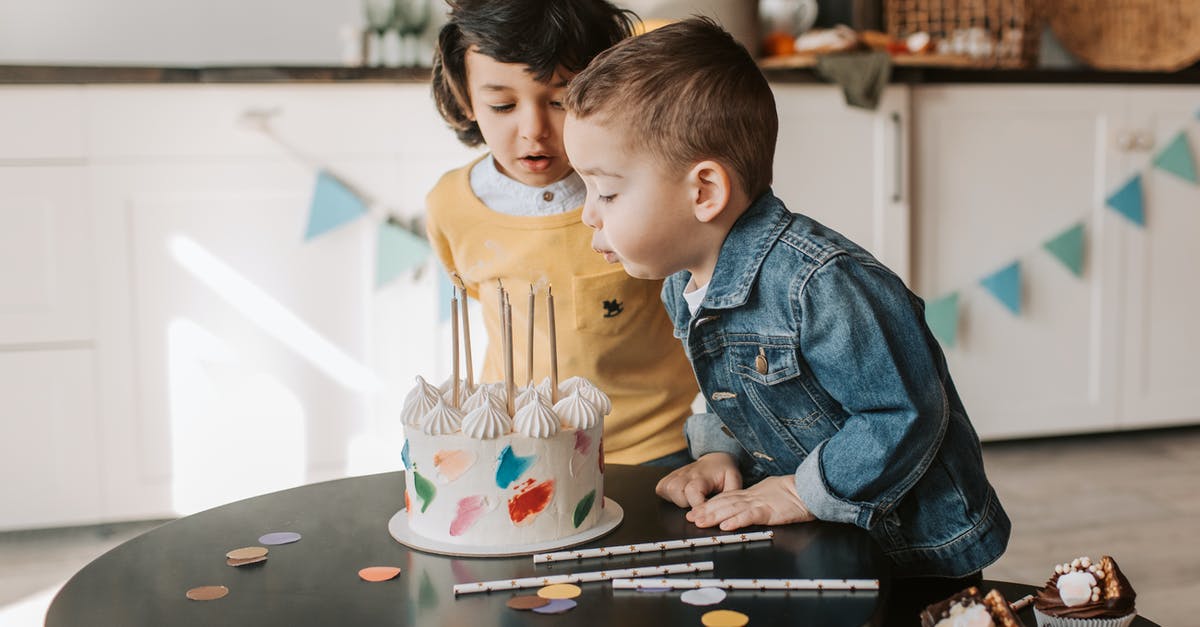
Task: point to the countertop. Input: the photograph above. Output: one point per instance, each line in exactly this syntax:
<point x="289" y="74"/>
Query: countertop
<point x="67" y="75"/>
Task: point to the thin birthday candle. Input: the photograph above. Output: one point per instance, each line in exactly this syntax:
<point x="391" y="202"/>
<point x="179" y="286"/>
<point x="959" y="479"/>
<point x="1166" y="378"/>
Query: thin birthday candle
<point x="508" y="357"/>
<point x="553" y="347"/>
<point x="454" y="350"/>
<point x="653" y="547"/>
<point x="466" y="323"/>
<point x="529" y="365"/>
<point x="853" y="585"/>
<point x="604" y="575"/>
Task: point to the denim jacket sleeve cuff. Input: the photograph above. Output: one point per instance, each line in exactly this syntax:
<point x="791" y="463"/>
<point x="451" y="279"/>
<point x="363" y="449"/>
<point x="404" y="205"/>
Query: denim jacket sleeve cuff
<point x="823" y="504"/>
<point x="705" y="434"/>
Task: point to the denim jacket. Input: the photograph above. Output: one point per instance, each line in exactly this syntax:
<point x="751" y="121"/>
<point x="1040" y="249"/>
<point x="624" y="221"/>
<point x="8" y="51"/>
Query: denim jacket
<point x="815" y="361"/>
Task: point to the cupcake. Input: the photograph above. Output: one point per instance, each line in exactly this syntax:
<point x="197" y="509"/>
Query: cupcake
<point x="971" y="609"/>
<point x="1086" y="594"/>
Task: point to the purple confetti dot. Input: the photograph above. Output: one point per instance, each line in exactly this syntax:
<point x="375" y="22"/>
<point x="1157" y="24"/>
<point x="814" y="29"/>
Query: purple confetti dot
<point x="279" y="537"/>
<point x="556" y="606"/>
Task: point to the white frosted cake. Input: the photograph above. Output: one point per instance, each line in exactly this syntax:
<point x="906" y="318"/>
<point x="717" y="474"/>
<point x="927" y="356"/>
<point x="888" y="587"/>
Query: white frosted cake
<point x="477" y="477"/>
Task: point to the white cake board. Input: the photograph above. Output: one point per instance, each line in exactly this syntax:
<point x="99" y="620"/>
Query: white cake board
<point x="611" y="515"/>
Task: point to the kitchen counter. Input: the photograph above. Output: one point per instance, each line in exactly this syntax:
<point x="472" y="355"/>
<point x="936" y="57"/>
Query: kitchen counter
<point x="55" y="74"/>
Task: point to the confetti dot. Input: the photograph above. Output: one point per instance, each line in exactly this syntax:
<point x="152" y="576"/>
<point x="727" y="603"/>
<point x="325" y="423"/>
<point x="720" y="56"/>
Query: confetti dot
<point x="556" y="606"/>
<point x="560" y="591"/>
<point x="378" y="573"/>
<point x="703" y="596"/>
<point x="246" y="553"/>
<point x="527" y="602"/>
<point x="207" y="593"/>
<point x="724" y="618"/>
<point x="279" y="537"/>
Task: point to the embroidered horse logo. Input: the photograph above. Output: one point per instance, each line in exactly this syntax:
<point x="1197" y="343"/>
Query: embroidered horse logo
<point x="613" y="308"/>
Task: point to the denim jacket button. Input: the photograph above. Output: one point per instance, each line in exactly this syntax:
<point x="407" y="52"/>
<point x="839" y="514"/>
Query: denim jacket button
<point x="760" y="362"/>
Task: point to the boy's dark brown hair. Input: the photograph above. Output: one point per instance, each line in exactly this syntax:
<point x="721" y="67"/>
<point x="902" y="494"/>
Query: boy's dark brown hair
<point x="540" y="34"/>
<point x="685" y="92"/>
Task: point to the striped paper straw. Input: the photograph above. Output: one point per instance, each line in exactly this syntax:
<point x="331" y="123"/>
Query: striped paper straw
<point x="750" y="584"/>
<point x="1021" y="603"/>
<point x="600" y="575"/>
<point x="653" y="547"/>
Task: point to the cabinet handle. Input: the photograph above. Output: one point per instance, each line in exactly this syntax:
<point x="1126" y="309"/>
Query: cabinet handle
<point x="897" y="167"/>
<point x="1145" y="141"/>
<point x="1125" y="141"/>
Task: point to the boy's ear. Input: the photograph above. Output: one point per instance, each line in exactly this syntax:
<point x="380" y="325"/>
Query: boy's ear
<point x="711" y="189"/>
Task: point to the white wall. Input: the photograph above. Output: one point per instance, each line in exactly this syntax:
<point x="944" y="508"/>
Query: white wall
<point x="176" y="32"/>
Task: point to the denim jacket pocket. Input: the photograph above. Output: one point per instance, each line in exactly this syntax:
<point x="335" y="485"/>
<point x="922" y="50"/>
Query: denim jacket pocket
<point x="763" y="363"/>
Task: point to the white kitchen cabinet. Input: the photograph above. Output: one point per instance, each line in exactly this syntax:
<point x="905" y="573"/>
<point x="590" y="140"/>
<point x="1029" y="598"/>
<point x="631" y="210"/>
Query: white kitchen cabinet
<point x="847" y="167"/>
<point x="999" y="170"/>
<point x="1160" y="306"/>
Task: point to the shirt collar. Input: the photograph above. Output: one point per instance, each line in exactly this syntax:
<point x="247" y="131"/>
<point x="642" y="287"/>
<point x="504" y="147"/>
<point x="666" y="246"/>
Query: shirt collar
<point x="557" y="197"/>
<point x="746" y="246"/>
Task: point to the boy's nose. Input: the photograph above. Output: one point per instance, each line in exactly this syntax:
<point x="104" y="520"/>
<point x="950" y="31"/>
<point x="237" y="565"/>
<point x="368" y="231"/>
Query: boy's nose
<point x="589" y="216"/>
<point x="535" y="124"/>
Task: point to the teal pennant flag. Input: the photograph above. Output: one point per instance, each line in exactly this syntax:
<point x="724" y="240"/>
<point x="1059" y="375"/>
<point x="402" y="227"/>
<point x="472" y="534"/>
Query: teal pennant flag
<point x="1128" y="201"/>
<point x="1005" y="285"/>
<point x="397" y="250"/>
<point x="333" y="204"/>
<point x="942" y="317"/>
<point x="1177" y="159"/>
<point x="1067" y="247"/>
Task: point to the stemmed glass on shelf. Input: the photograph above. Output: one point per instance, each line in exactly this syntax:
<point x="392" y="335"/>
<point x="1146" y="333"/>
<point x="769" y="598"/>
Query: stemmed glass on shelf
<point x="410" y="18"/>
<point x="380" y="15"/>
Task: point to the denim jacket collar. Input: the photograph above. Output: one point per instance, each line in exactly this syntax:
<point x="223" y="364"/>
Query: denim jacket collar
<point x="745" y="248"/>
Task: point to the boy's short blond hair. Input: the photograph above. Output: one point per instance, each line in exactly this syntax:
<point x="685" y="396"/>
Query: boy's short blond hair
<point x="685" y="92"/>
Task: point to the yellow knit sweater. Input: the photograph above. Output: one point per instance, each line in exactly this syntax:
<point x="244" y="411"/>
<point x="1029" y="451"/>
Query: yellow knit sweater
<point x="610" y="327"/>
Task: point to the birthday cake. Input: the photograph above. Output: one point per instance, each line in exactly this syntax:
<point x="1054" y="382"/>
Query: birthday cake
<point x="480" y="477"/>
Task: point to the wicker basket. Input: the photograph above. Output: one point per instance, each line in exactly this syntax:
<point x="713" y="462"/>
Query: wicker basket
<point x="1129" y="34"/>
<point x="993" y="33"/>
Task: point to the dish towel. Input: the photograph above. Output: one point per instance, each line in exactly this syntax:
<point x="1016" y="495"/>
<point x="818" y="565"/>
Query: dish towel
<point x="862" y="75"/>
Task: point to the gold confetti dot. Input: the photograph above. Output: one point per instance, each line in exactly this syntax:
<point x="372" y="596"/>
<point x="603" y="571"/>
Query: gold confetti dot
<point x="560" y="591"/>
<point x="724" y="618"/>
<point x="247" y="553"/>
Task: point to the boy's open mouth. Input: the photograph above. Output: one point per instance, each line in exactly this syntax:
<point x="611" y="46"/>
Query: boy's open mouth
<point x="536" y="163"/>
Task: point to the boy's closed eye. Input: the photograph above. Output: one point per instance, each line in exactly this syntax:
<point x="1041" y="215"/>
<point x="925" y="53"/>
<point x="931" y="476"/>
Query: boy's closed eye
<point x="504" y="108"/>
<point x="608" y="198"/>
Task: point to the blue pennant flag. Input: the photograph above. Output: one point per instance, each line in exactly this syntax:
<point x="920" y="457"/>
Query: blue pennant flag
<point x="942" y="317"/>
<point x="333" y="204"/>
<point x="1128" y="201"/>
<point x="1067" y="247"/>
<point x="1177" y="159"/>
<point x="397" y="250"/>
<point x="1005" y="285"/>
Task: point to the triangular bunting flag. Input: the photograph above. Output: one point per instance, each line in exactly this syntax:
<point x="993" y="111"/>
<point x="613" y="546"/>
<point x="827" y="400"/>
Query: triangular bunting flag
<point x="397" y="250"/>
<point x="333" y="204"/>
<point x="1067" y="247"/>
<point x="942" y="317"/>
<point x="1128" y="201"/>
<point x="1176" y="158"/>
<point x="1005" y="285"/>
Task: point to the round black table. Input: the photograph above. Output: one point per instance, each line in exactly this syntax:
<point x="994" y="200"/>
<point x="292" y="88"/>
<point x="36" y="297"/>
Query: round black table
<point x="344" y="528"/>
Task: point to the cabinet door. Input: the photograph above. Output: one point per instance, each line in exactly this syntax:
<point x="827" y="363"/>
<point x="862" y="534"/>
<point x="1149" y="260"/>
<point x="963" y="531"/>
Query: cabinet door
<point x="998" y="171"/>
<point x="48" y="434"/>
<point x="846" y="167"/>
<point x="1160" y="348"/>
<point x="45" y="256"/>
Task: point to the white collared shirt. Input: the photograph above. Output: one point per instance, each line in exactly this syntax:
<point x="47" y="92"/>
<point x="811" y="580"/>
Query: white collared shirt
<point x="694" y="295"/>
<point x="505" y="195"/>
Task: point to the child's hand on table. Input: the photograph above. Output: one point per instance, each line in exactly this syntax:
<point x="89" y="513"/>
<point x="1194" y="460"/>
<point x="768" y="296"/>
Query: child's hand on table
<point x="772" y="501"/>
<point x="690" y="486"/>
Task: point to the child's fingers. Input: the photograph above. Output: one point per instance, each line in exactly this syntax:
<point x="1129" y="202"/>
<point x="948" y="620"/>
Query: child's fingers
<point x="696" y="493"/>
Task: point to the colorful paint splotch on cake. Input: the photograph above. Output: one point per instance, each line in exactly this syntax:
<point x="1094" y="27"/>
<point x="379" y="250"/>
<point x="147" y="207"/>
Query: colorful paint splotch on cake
<point x="501" y="480"/>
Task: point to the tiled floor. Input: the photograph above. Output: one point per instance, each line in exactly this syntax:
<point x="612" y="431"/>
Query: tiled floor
<point x="1133" y="496"/>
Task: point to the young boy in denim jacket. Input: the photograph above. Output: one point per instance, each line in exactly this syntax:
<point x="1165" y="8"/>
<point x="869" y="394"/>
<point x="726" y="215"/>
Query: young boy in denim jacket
<point x="825" y="383"/>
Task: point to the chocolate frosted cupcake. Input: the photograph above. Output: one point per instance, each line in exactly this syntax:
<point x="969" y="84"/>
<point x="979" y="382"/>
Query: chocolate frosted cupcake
<point x="1086" y="594"/>
<point x="970" y="609"/>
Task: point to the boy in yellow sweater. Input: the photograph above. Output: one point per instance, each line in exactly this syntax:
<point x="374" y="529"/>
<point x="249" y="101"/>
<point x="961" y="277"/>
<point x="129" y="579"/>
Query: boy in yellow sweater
<point x="514" y="215"/>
